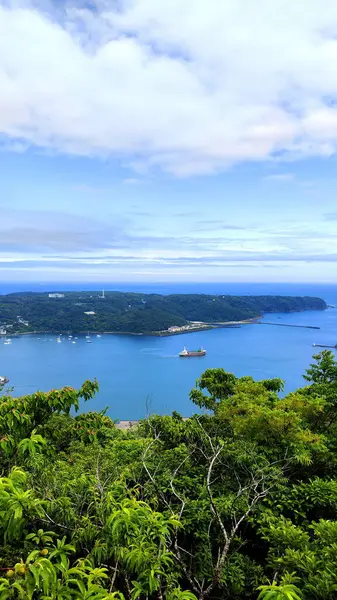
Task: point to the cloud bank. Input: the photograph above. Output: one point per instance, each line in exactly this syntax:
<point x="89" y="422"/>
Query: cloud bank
<point x="53" y="238"/>
<point x="185" y="87"/>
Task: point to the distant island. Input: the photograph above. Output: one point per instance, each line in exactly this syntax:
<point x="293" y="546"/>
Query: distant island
<point x="135" y="313"/>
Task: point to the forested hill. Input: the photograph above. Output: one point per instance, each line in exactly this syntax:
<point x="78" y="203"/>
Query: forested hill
<point x="136" y="313"/>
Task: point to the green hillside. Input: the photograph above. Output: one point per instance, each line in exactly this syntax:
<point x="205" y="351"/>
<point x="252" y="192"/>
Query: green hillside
<point x="136" y="313"/>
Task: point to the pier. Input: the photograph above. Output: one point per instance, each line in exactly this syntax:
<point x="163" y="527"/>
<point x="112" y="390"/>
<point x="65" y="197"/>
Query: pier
<point x="289" y="325"/>
<point x="325" y="346"/>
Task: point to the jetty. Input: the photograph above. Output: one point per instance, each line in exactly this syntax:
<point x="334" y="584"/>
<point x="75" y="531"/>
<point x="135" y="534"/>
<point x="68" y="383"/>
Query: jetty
<point x="289" y="325"/>
<point x="325" y="346"/>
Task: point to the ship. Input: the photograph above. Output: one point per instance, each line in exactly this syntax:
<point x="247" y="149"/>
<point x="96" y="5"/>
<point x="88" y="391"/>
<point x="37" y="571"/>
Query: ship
<point x="188" y="353"/>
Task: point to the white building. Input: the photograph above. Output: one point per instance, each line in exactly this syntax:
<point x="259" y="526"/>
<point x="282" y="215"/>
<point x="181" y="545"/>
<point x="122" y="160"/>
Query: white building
<point x="55" y="295"/>
<point x="23" y="322"/>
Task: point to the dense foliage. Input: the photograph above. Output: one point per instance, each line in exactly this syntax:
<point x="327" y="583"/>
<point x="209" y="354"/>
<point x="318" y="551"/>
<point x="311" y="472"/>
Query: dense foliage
<point x="136" y="313"/>
<point x="238" y="502"/>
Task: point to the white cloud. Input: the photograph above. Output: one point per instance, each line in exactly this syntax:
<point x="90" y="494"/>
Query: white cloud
<point x="133" y="181"/>
<point x="90" y="189"/>
<point x="187" y="87"/>
<point x="280" y="177"/>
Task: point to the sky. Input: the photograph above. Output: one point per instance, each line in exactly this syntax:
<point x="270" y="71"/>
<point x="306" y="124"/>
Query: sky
<point x="146" y="140"/>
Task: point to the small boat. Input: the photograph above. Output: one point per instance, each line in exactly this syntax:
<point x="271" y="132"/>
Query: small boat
<point x="87" y="337"/>
<point x="98" y="335"/>
<point x="59" y="341"/>
<point x="89" y="341"/>
<point x="3" y="380"/>
<point x="73" y="342"/>
<point x="187" y="353"/>
<point x="7" y="341"/>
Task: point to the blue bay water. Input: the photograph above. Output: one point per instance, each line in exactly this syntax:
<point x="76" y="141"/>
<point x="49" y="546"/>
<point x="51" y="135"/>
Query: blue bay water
<point x="137" y="374"/>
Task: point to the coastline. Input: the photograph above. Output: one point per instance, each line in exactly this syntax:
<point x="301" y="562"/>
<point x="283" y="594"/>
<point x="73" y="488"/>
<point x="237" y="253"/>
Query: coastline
<point x="192" y="327"/>
<point x="126" y="424"/>
<point x="163" y="333"/>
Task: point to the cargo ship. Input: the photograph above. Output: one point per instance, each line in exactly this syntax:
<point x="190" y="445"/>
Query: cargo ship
<point x="187" y="353"/>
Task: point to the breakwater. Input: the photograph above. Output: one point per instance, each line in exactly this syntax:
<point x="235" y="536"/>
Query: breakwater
<point x="289" y="325"/>
<point x="325" y="346"/>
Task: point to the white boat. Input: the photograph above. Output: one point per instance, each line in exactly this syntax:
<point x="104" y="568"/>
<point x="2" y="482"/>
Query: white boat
<point x="73" y="342"/>
<point x="7" y="341"/>
<point x="87" y="337"/>
<point x="59" y="341"/>
<point x="89" y="342"/>
<point x="98" y="335"/>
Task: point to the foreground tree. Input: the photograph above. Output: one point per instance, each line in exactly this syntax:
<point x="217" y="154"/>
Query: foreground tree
<point x="236" y="503"/>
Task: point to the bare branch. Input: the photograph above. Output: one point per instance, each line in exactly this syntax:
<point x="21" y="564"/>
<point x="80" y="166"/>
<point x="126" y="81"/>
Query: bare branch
<point x="98" y="478"/>
<point x="207" y="435"/>
<point x="50" y="520"/>
<point x="210" y="495"/>
<point x="113" y="578"/>
<point x="150" y="476"/>
<point x="258" y="488"/>
<point x="173" y="488"/>
<point x="192" y="581"/>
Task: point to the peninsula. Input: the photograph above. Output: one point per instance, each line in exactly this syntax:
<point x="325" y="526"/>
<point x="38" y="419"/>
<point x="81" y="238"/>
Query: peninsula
<point x="135" y="313"/>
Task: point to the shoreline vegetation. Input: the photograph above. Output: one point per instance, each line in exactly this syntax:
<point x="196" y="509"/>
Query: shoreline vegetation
<point x="138" y="314"/>
<point x="190" y="328"/>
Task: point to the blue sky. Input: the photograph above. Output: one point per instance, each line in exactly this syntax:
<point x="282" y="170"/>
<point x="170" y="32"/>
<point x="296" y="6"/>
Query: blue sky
<point x="167" y="141"/>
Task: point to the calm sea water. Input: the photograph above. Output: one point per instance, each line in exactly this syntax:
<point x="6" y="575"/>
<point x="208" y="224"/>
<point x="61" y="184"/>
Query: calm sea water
<point x="137" y="374"/>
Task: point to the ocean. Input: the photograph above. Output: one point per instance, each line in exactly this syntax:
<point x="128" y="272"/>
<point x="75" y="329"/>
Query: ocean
<point x="139" y="374"/>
